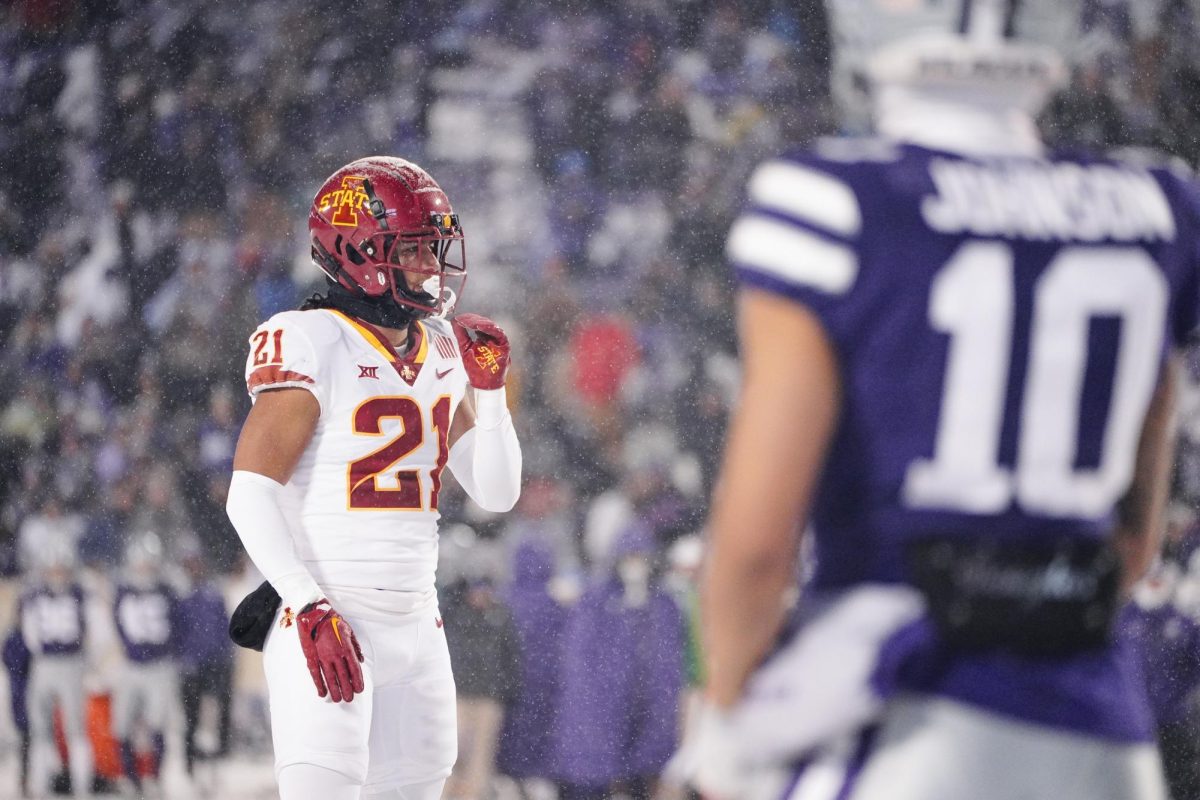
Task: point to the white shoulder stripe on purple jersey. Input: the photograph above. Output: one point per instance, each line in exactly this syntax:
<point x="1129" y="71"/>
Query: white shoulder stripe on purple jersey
<point x="812" y="197"/>
<point x="774" y="247"/>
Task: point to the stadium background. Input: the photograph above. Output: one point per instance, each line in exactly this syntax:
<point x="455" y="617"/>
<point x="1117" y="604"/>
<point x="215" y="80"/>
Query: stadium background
<point x="156" y="164"/>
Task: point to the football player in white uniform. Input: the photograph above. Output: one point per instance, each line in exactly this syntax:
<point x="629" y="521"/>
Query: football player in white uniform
<point x="360" y="399"/>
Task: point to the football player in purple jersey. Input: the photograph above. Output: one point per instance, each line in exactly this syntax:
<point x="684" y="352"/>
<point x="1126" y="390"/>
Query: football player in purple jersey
<point x="53" y="623"/>
<point x="957" y="354"/>
<point x="145" y="611"/>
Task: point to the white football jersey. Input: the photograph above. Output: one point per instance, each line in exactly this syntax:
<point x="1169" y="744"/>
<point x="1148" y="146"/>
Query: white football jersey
<point x="362" y="503"/>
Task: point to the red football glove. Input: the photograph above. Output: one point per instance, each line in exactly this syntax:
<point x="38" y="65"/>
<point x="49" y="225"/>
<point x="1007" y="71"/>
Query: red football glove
<point x="332" y="651"/>
<point x="484" y="349"/>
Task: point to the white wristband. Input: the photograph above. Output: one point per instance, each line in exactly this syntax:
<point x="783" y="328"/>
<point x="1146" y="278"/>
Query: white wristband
<point x="297" y="590"/>
<point x="491" y="408"/>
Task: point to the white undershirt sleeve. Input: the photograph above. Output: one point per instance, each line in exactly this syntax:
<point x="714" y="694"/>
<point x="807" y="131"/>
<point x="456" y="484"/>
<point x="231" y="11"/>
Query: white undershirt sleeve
<point x="253" y="508"/>
<point x="486" y="460"/>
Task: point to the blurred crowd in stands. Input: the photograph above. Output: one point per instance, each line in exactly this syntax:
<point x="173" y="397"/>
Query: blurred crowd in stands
<point x="156" y="165"/>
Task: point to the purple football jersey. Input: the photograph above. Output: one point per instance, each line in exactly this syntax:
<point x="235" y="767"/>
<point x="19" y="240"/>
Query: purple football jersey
<point x="1167" y="642"/>
<point x="146" y="621"/>
<point x="52" y="621"/>
<point x="1000" y="324"/>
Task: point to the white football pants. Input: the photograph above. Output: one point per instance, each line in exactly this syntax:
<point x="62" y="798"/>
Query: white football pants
<point x="937" y="749"/>
<point x="399" y="734"/>
<point x="57" y="680"/>
<point x="145" y="695"/>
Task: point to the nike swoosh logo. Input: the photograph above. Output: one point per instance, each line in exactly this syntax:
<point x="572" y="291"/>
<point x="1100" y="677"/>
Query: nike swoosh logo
<point x="441" y="373"/>
<point x="336" y="633"/>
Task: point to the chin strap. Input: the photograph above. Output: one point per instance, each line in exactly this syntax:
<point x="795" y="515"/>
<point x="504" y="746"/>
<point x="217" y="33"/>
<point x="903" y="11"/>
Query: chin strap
<point x="449" y="301"/>
<point x="377" y="311"/>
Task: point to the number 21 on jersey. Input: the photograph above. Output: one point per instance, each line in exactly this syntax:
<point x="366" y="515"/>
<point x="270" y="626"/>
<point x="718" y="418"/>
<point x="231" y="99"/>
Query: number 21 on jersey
<point x="364" y="490"/>
<point x="261" y="355"/>
<point x="972" y="300"/>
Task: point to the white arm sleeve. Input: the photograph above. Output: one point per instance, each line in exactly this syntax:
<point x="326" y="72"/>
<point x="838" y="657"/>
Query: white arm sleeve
<point x="486" y="460"/>
<point x="253" y="508"/>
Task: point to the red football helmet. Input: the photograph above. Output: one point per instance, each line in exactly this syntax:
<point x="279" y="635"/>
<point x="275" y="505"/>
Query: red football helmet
<point x="376" y="219"/>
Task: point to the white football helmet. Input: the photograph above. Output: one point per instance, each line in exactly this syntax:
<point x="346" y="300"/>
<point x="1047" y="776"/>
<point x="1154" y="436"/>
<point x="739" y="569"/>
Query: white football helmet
<point x="143" y="557"/>
<point x="998" y="54"/>
<point x="56" y="562"/>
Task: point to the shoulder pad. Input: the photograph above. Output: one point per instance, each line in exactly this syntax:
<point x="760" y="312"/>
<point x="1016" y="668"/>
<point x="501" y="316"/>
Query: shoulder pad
<point x="809" y="192"/>
<point x="318" y="324"/>
<point x="800" y="227"/>
<point x="850" y="150"/>
<point x="1153" y="158"/>
<point x="288" y="350"/>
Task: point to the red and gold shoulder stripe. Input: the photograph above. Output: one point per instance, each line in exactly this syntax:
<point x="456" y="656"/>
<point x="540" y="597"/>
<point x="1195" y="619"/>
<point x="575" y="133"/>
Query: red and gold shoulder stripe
<point x="272" y="374"/>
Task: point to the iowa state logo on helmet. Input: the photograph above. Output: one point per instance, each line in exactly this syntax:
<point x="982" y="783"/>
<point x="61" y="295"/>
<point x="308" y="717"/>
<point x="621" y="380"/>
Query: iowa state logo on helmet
<point x="347" y="200"/>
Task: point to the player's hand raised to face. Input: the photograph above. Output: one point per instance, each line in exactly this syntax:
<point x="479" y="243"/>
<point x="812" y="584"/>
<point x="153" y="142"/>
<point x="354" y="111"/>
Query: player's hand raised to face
<point x="331" y="650"/>
<point x="485" y="350"/>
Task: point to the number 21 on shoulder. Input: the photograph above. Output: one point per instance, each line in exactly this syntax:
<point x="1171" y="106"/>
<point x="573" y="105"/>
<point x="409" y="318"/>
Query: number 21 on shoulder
<point x="260" y="339"/>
